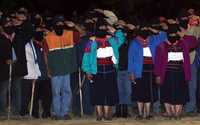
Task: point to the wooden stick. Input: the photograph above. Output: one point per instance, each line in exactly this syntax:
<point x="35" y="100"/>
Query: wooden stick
<point x="32" y="98"/>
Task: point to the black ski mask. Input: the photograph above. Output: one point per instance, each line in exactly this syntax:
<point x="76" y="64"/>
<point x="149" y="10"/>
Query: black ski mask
<point x="59" y="29"/>
<point x="9" y="30"/>
<point x="101" y="33"/>
<point x="144" y="34"/>
<point x="39" y="35"/>
<point x="183" y="23"/>
<point x="172" y="33"/>
<point x="173" y="39"/>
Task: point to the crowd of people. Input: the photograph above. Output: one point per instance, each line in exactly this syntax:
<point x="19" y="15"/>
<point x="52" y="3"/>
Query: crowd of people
<point x="151" y="63"/>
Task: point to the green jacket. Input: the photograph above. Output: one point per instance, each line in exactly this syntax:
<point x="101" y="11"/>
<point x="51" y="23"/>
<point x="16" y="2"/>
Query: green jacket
<point x="89" y="63"/>
<point x="63" y="61"/>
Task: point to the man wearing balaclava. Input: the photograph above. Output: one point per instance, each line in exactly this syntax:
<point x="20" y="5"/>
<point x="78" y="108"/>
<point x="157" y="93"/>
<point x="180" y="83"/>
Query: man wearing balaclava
<point x="62" y="62"/>
<point x="6" y="39"/>
<point x="172" y="68"/>
<point x="141" y="59"/>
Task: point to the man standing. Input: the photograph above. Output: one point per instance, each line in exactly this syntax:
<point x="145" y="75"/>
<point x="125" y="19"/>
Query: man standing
<point x="6" y="38"/>
<point x="62" y="61"/>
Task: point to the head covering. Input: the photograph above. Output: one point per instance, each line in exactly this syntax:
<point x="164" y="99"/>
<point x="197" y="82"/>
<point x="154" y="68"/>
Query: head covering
<point x="111" y="17"/>
<point x="173" y="28"/>
<point x="58" y="18"/>
<point x="183" y="23"/>
<point x="194" y="20"/>
<point x="172" y="32"/>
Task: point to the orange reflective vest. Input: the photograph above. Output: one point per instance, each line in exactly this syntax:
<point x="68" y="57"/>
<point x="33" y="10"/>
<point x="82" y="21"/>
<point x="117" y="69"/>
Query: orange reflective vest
<point x="56" y="42"/>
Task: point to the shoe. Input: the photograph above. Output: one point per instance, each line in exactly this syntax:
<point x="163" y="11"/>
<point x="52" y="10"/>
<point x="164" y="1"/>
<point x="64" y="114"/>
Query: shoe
<point x="44" y="115"/>
<point x="139" y="117"/>
<point x="67" y="117"/>
<point x="177" y="117"/>
<point x="108" y="118"/>
<point x="149" y="117"/>
<point x="165" y="115"/>
<point x="117" y="113"/>
<point x="99" y="118"/>
<point x="54" y="117"/>
<point x="125" y="111"/>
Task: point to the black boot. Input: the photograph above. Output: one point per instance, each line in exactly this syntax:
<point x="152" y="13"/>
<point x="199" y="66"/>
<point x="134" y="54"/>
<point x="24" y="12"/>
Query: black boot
<point x="124" y="111"/>
<point x="117" y="111"/>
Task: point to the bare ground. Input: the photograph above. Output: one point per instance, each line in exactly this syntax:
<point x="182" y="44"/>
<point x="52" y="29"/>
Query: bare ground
<point x="92" y="121"/>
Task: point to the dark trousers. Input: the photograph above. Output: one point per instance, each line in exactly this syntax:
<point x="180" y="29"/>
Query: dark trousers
<point x="16" y="96"/>
<point x="26" y="90"/>
<point x="42" y="93"/>
<point x="3" y="97"/>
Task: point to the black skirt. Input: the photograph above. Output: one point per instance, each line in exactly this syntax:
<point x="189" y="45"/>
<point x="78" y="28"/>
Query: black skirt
<point x="175" y="89"/>
<point x="104" y="90"/>
<point x="145" y="90"/>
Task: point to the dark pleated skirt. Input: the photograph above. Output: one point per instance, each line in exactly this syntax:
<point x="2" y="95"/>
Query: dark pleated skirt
<point x="104" y="90"/>
<point x="175" y="89"/>
<point x="145" y="89"/>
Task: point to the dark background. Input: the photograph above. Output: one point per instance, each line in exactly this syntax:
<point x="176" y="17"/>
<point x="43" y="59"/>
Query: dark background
<point x="123" y="8"/>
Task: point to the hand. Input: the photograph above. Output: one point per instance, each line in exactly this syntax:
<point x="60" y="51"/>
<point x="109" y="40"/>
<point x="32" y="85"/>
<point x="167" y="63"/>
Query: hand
<point x="93" y="38"/>
<point x="153" y="30"/>
<point x="49" y="73"/>
<point x="158" y="81"/>
<point x="89" y="77"/>
<point x="99" y="10"/>
<point x="69" y="23"/>
<point x="8" y="62"/>
<point x="131" y="26"/>
<point x="131" y="77"/>
<point x="111" y="29"/>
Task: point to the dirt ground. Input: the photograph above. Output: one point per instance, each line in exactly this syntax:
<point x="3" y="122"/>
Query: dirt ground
<point x="92" y="121"/>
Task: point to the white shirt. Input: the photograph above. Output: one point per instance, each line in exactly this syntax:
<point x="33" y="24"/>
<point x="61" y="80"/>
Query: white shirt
<point x="32" y="65"/>
<point x="106" y="52"/>
<point x="175" y="56"/>
<point x="147" y="52"/>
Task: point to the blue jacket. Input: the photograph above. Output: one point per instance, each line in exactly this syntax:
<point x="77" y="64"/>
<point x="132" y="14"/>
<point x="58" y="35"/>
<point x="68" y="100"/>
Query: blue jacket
<point x="89" y="62"/>
<point x="135" y="54"/>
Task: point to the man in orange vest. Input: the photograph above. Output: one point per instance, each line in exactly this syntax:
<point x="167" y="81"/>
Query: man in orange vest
<point x="61" y="63"/>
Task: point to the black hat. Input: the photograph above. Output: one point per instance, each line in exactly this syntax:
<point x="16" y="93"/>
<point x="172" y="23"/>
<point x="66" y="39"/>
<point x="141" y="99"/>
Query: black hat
<point x="58" y="18"/>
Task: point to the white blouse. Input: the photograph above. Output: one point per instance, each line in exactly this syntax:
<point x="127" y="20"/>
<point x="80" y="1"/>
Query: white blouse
<point x="32" y="65"/>
<point x="175" y="56"/>
<point x="147" y="52"/>
<point x="106" y="52"/>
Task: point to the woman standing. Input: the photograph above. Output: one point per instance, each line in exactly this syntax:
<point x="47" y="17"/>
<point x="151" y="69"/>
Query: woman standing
<point x="140" y="67"/>
<point x="99" y="62"/>
<point x="172" y="67"/>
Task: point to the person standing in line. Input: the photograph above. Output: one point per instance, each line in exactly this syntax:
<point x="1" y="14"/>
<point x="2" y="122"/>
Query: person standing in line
<point x="62" y="61"/>
<point x="100" y="60"/>
<point x="141" y="60"/>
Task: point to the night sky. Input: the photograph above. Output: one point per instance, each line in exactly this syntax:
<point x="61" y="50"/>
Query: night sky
<point x="124" y="7"/>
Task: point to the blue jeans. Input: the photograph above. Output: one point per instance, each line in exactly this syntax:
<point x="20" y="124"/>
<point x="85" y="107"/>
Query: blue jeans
<point x="3" y="97"/>
<point x="124" y="88"/>
<point x="191" y="105"/>
<point x="62" y="95"/>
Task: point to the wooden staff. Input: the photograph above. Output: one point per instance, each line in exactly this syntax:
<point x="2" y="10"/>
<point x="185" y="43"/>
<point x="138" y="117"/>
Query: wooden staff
<point x="9" y="91"/>
<point x="32" y="98"/>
